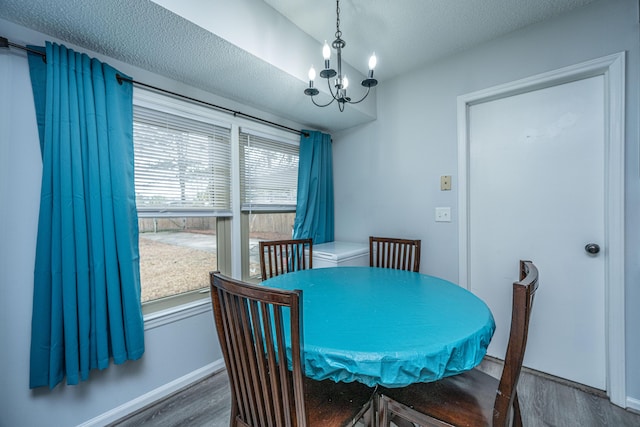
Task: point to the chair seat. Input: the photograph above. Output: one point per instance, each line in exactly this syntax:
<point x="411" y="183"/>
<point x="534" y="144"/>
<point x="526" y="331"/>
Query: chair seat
<point x="331" y="404"/>
<point x="461" y="400"/>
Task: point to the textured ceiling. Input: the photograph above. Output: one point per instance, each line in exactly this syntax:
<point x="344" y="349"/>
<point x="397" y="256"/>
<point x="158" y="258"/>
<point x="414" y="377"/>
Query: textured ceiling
<point x="405" y="35"/>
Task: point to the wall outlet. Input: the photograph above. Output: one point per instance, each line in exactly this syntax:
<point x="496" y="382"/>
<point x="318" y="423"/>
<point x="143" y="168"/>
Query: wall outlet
<point x="445" y="183"/>
<point x="443" y="214"/>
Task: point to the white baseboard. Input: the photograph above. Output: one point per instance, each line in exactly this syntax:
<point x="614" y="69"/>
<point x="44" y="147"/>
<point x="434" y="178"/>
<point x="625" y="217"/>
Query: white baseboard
<point x="633" y="404"/>
<point x="154" y="395"/>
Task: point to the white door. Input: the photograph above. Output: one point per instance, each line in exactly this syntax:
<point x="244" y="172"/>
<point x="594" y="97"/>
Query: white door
<point x="536" y="191"/>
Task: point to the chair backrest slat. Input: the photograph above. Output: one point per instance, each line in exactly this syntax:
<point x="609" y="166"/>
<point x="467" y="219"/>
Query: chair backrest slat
<point x="233" y="339"/>
<point x="229" y="342"/>
<point x="251" y="373"/>
<point x="284" y="256"/>
<point x="282" y="369"/>
<point x="399" y="254"/>
<point x="523" y="294"/>
<point x="257" y="363"/>
<point x="250" y="321"/>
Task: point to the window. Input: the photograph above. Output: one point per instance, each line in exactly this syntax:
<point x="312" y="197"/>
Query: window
<point x="176" y="255"/>
<point x="183" y="186"/>
<point x="268" y="189"/>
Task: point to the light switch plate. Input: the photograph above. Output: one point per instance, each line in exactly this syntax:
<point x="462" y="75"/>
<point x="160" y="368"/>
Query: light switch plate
<point x="443" y="214"/>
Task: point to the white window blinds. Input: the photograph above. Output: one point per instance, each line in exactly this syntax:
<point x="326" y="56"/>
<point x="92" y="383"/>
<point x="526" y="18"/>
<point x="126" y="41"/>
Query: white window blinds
<point x="268" y="173"/>
<point x="182" y="165"/>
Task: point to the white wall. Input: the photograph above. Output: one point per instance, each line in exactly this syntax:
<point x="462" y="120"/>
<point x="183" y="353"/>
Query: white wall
<point x="387" y="173"/>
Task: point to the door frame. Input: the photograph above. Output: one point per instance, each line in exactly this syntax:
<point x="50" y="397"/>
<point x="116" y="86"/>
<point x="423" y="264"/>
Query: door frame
<point x="612" y="67"/>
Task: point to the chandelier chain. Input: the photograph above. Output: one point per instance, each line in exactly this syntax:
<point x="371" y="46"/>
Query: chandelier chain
<point x="338" y="32"/>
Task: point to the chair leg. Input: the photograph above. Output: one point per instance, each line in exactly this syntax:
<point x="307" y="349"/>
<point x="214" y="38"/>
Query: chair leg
<point x="382" y="411"/>
<point x="368" y="416"/>
<point x="517" y="416"/>
<point x="401" y="422"/>
<point x="386" y="416"/>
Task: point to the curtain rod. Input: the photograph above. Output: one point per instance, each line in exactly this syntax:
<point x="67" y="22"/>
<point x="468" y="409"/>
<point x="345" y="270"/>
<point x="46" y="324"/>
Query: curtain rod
<point x="4" y="42"/>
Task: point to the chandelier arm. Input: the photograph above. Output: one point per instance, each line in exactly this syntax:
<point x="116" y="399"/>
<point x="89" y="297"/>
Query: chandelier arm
<point x="361" y="99"/>
<point x="321" y="105"/>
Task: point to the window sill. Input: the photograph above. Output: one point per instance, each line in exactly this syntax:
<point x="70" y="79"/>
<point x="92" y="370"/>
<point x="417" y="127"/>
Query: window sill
<point x="170" y="310"/>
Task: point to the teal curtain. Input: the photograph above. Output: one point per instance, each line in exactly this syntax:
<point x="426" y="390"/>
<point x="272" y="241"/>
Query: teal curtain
<point x="86" y="299"/>
<point x="314" y="208"/>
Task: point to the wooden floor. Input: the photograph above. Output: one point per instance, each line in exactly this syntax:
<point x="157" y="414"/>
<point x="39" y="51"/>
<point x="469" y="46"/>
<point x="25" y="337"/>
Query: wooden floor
<point x="545" y="401"/>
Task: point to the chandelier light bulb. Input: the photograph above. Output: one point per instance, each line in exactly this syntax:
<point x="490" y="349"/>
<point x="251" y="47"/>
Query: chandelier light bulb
<point x="311" y="91"/>
<point x="345" y="82"/>
<point x="373" y="61"/>
<point x="326" y="51"/>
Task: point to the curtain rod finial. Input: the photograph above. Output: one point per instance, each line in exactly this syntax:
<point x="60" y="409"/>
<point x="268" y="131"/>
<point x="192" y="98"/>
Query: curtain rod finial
<point x="4" y="42"/>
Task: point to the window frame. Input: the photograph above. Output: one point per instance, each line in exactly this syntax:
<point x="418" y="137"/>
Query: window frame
<point x="170" y="105"/>
<point x="232" y="230"/>
<point x="245" y="210"/>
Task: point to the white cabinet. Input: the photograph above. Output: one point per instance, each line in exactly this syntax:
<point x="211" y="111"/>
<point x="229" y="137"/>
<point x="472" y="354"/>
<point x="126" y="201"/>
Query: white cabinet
<point x="340" y="254"/>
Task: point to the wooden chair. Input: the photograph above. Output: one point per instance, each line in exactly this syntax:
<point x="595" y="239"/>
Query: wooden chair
<point x="284" y="256"/>
<point x="401" y="254"/>
<point x="251" y="321"/>
<point x="472" y="398"/>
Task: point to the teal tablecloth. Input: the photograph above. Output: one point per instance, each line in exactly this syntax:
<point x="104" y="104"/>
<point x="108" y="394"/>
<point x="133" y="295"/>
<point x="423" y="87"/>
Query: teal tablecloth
<point x="387" y="327"/>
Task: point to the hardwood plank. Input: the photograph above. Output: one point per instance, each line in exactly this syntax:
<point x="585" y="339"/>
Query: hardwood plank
<point x="544" y="400"/>
<point x="206" y="403"/>
<point x="551" y="401"/>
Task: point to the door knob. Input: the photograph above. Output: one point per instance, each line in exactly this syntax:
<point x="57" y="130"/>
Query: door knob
<point x="592" y="248"/>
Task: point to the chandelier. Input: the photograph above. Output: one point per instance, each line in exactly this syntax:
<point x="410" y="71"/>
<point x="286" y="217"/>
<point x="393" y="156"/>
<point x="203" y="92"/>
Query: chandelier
<point x="341" y="82"/>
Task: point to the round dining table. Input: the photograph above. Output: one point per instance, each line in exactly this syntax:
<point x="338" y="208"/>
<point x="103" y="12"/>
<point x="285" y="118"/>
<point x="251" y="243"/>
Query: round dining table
<point x="387" y="327"/>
